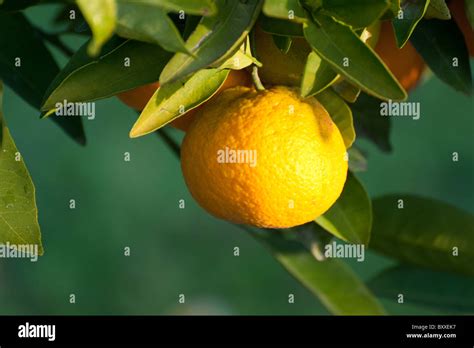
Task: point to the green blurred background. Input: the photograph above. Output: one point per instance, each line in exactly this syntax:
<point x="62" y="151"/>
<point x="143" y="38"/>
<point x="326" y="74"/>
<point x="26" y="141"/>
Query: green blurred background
<point x="186" y="251"/>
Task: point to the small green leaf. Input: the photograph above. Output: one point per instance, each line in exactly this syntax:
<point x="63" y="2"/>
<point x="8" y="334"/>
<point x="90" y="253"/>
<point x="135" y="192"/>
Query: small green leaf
<point x="357" y="160"/>
<point x="169" y="100"/>
<point x="358" y="14"/>
<point x="340" y="113"/>
<point x="87" y="79"/>
<point x="438" y="9"/>
<point x="424" y="232"/>
<point x="470" y="12"/>
<point x="241" y="59"/>
<point x="441" y="44"/>
<point x="280" y="27"/>
<point x="369" y="123"/>
<point x="148" y="22"/>
<point x="27" y="80"/>
<point x="317" y="76"/>
<point x="331" y="280"/>
<point x="392" y="11"/>
<point x="346" y="90"/>
<point x="214" y="40"/>
<point x="101" y="17"/>
<point x="18" y="211"/>
<point x="350" y="218"/>
<point x="285" y="9"/>
<point x="441" y="292"/>
<point x="283" y="43"/>
<point x="349" y="56"/>
<point x="193" y="7"/>
<point x="413" y="12"/>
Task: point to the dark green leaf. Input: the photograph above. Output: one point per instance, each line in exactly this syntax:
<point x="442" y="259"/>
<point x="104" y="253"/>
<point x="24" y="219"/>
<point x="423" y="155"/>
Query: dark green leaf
<point x="369" y="123"/>
<point x="148" y="22"/>
<point x="441" y="44"/>
<point x="424" y="232"/>
<point x="317" y="75"/>
<point x="214" y="40"/>
<point x="332" y="281"/>
<point x="350" y="218"/>
<point x="346" y="90"/>
<point x="172" y="100"/>
<point x="280" y="27"/>
<point x="27" y="80"/>
<point x="340" y="113"/>
<point x="358" y="14"/>
<point x="438" y="9"/>
<point x="442" y="292"/>
<point x="413" y="12"/>
<point x="101" y="17"/>
<point x="348" y="55"/>
<point x="86" y="79"/>
<point x="18" y="212"/>
<point x="285" y="9"/>
<point x="282" y="42"/>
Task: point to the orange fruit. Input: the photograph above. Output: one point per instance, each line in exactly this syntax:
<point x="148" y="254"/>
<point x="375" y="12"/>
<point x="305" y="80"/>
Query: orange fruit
<point x="458" y="12"/>
<point x="264" y="158"/>
<point x="137" y="98"/>
<point x="405" y="63"/>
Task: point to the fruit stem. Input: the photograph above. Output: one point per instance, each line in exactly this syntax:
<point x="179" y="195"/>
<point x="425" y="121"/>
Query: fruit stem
<point x="256" y="79"/>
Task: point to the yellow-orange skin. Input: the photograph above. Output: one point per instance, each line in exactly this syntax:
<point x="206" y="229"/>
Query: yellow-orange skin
<point x="298" y="169"/>
<point x="458" y="13"/>
<point x="405" y="63"/>
<point x="137" y="98"/>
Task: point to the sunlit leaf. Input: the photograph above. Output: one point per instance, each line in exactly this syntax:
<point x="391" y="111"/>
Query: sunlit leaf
<point x="350" y="218"/>
<point x="18" y="212"/>
<point x="317" y="75"/>
<point x="285" y="9"/>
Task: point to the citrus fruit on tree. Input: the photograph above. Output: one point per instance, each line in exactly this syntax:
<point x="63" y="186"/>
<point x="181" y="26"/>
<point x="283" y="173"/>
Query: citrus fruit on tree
<point x="458" y="12"/>
<point x="137" y="98"/>
<point x="405" y="63"/>
<point x="264" y="158"/>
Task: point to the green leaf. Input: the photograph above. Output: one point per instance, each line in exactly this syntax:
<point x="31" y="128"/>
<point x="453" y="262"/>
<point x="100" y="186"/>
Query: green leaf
<point x="357" y="160"/>
<point x="27" y="80"/>
<point x="332" y="281"/>
<point x="101" y="17"/>
<point x="149" y="23"/>
<point x="280" y="27"/>
<point x="438" y="9"/>
<point x="340" y="113"/>
<point x="346" y="90"/>
<point x="283" y="43"/>
<point x="393" y="10"/>
<point x="214" y="40"/>
<point x="413" y="12"/>
<point x="425" y="232"/>
<point x="18" y="212"/>
<point x="170" y="100"/>
<point x="470" y="12"/>
<point x="440" y="43"/>
<point x="369" y="123"/>
<point x="317" y="76"/>
<point x="350" y="218"/>
<point x="86" y="79"/>
<point x="442" y="292"/>
<point x="241" y="59"/>
<point x="285" y="9"/>
<point x="358" y="14"/>
<point x="348" y="55"/>
<point x="193" y="7"/>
